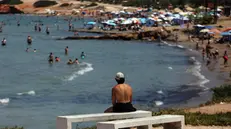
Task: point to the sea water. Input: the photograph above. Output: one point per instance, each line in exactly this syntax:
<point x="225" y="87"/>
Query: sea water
<point x="33" y="92"/>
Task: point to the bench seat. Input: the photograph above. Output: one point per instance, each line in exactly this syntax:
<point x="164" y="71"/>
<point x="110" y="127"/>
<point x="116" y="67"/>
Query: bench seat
<point x="65" y="122"/>
<point x="169" y="121"/>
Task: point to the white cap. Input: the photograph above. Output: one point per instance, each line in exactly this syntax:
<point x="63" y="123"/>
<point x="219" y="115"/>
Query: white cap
<point x="119" y="75"/>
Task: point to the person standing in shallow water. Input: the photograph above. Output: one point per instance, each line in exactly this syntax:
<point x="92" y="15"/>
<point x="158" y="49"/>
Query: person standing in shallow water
<point x="29" y="40"/>
<point x="47" y="30"/>
<point x="51" y="58"/>
<point x="4" y="42"/>
<point x="66" y="50"/>
<point x="121" y="96"/>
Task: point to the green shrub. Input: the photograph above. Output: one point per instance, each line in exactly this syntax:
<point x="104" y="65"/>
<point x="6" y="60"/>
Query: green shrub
<point x="44" y="3"/>
<point x="221" y="119"/>
<point x="206" y="19"/>
<point x="222" y="94"/>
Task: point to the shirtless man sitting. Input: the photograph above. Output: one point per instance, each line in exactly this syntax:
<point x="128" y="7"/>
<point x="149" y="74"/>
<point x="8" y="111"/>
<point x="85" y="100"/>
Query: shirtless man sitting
<point x="121" y="96"/>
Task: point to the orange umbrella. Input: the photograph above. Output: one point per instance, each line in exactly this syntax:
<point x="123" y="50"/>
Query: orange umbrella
<point x="227" y="29"/>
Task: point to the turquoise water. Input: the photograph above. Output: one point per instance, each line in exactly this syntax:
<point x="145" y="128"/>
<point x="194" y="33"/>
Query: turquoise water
<point x="33" y="92"/>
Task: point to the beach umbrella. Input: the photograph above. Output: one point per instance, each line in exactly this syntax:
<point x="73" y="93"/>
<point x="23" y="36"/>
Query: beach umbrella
<point x="127" y="22"/>
<point x="177" y="10"/>
<point x="121" y="19"/>
<point x="201" y="7"/>
<point x="122" y="11"/>
<point x="189" y="9"/>
<point x="204" y="31"/>
<point x="225" y="34"/>
<point x="185" y="19"/>
<point x="209" y="27"/>
<point x="198" y="25"/>
<point x="91" y="23"/>
<point x="159" y="20"/>
<point x="220" y="7"/>
<point x="142" y="20"/>
<point x="124" y="8"/>
<point x="227" y="29"/>
<point x="111" y="24"/>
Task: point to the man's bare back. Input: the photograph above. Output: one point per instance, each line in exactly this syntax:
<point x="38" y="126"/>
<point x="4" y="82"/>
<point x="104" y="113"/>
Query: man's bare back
<point x="121" y="93"/>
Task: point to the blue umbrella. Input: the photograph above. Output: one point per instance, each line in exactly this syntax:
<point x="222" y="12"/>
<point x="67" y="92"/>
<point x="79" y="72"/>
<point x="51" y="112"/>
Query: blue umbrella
<point x="111" y="24"/>
<point x="209" y="27"/>
<point x="91" y="23"/>
<point x="142" y="20"/>
<point x="225" y="33"/>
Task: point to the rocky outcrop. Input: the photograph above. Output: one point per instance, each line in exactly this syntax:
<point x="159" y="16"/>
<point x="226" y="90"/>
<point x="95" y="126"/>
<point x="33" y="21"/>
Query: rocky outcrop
<point x="44" y="3"/>
<point x="6" y="9"/>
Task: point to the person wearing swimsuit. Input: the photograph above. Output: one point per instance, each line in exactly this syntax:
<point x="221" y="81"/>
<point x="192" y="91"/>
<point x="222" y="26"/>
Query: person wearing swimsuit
<point x="121" y="96"/>
<point x="4" y="42"/>
<point x="51" y="58"/>
<point x="29" y="40"/>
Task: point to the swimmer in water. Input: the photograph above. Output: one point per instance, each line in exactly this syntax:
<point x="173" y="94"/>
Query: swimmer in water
<point x="57" y="59"/>
<point x="39" y="29"/>
<point x="4" y="42"/>
<point x="51" y="58"/>
<point x="76" y="61"/>
<point x="69" y="62"/>
<point x="27" y="49"/>
<point x="66" y="50"/>
<point x="29" y="40"/>
<point x="36" y="27"/>
<point x="35" y="50"/>
<point x="47" y="31"/>
<point x="18" y="23"/>
<point x="82" y="55"/>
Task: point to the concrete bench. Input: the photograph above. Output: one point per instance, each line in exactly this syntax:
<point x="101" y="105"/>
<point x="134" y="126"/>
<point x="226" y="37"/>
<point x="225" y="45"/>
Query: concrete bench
<point x="168" y="121"/>
<point x="65" y="122"/>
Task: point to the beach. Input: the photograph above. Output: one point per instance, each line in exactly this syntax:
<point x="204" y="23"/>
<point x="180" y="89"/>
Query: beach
<point x="163" y="76"/>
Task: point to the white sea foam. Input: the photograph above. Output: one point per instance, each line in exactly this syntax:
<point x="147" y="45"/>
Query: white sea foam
<point x="170" y="68"/>
<point x="159" y="103"/>
<point x="88" y="67"/>
<point x="196" y="71"/>
<point x="180" y="46"/>
<point x="160" y="92"/>
<point x="4" y="101"/>
<point x="27" y="93"/>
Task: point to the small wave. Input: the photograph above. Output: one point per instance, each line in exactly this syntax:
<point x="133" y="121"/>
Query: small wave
<point x="27" y="93"/>
<point x="179" y="46"/>
<point x="196" y="71"/>
<point x="159" y="103"/>
<point x="160" y="92"/>
<point x="170" y="68"/>
<point x="4" y="101"/>
<point x="88" y="67"/>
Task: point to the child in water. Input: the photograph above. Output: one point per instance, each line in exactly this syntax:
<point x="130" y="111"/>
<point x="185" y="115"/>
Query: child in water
<point x="69" y="62"/>
<point x="4" y="42"/>
<point x="57" y="59"/>
<point x="76" y="61"/>
<point x="82" y="55"/>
